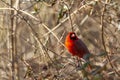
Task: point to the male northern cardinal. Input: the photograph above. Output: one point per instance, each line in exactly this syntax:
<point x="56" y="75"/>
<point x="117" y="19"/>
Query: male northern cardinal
<point x="76" y="46"/>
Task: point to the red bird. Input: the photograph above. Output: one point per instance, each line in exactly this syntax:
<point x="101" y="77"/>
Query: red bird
<point x="76" y="46"/>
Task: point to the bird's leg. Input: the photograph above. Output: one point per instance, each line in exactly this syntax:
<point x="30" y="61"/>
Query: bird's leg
<point x="79" y="63"/>
<point x="80" y="67"/>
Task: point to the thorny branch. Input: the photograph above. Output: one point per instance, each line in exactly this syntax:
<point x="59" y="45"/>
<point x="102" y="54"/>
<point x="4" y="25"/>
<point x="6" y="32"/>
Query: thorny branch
<point x="34" y="33"/>
<point x="102" y="35"/>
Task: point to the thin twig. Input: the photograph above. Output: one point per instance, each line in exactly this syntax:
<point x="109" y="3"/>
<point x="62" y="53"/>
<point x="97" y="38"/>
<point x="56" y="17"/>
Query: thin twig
<point x="13" y="41"/>
<point x="69" y="15"/>
<point x="67" y="18"/>
<point x="34" y="33"/>
<point x="13" y="8"/>
<point x="40" y="42"/>
<point x="29" y="72"/>
<point x="103" y="40"/>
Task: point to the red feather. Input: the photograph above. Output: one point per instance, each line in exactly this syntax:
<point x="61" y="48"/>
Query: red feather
<point x="76" y="46"/>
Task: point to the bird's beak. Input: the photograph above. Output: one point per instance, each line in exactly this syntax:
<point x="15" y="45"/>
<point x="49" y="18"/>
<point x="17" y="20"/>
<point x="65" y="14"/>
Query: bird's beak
<point x="73" y="35"/>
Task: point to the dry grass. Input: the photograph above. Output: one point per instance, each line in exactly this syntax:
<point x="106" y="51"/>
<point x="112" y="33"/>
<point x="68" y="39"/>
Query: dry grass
<point x="32" y="34"/>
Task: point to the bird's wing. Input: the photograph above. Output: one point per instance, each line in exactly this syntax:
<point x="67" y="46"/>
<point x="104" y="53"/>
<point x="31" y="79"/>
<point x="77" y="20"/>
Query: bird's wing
<point x="82" y="48"/>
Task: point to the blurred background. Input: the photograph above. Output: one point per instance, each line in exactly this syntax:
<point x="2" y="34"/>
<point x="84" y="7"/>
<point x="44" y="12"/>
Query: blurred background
<point x="32" y="35"/>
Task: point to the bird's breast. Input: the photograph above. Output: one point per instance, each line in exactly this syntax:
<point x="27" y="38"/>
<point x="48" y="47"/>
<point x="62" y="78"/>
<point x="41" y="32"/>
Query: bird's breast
<point x="71" y="48"/>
